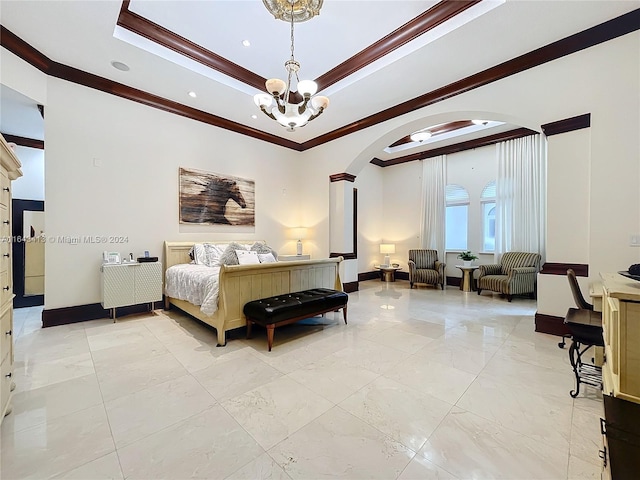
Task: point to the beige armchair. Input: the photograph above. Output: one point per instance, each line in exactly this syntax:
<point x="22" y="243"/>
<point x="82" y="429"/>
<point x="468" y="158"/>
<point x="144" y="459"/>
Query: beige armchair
<point x="424" y="267"/>
<point x="514" y="275"/>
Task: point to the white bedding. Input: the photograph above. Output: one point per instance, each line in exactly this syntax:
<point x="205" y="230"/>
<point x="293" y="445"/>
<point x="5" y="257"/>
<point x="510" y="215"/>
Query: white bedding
<point x="197" y="284"/>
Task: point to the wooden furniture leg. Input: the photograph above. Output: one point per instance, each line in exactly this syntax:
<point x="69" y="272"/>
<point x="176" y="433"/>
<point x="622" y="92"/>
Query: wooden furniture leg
<point x="249" y="325"/>
<point x="344" y="314"/>
<point x="270" y="329"/>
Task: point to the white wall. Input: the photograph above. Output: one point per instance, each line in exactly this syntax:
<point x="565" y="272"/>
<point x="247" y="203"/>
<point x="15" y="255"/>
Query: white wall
<point x="369" y="183"/>
<point x="134" y="191"/>
<point x="31" y="185"/>
<point x="570" y="86"/>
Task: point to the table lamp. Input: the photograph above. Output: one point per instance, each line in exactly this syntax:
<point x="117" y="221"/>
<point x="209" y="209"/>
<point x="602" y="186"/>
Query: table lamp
<point x="387" y="248"/>
<point x="299" y="233"/>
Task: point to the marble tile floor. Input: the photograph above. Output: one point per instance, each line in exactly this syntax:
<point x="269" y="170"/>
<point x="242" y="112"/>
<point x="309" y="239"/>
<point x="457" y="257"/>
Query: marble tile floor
<point x="421" y="384"/>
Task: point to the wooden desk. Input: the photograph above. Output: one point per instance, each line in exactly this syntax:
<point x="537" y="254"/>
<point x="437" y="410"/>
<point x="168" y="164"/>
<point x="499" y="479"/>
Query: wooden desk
<point x="595" y="292"/>
<point x="621" y="330"/>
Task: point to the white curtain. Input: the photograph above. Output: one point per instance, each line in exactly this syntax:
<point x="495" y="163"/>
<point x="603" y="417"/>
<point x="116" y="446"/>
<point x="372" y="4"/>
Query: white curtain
<point x="434" y="181"/>
<point x="521" y="195"/>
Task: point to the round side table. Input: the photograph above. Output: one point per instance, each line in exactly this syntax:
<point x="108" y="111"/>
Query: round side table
<point x="387" y="274"/>
<point x="468" y="282"/>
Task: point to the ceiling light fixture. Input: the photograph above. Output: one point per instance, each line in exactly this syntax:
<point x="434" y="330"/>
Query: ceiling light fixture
<point x="246" y="43"/>
<point x="420" y="136"/>
<point x="277" y="105"/>
<point x="192" y="94"/>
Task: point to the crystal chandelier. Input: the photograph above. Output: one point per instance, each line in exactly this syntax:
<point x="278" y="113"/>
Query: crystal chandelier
<point x="277" y="105"/>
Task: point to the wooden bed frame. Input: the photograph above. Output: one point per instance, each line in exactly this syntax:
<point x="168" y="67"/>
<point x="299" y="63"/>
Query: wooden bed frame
<point x="239" y="284"/>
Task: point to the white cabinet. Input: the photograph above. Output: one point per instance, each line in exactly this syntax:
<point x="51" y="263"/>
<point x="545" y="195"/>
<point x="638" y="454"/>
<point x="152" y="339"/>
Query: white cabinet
<point x="131" y="284"/>
<point x="9" y="170"/>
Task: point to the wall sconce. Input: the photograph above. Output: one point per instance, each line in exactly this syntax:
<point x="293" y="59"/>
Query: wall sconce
<point x="387" y="248"/>
<point x="300" y="233"/>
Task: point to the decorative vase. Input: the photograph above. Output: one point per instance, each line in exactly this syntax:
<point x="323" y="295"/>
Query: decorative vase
<point x="467" y="263"/>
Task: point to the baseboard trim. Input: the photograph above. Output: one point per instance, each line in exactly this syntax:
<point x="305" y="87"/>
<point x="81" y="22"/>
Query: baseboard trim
<point x="364" y="276"/>
<point x="54" y="317"/>
<point x="580" y="269"/>
<point x="550" y="324"/>
<point x="454" y="281"/>
<point x="402" y="276"/>
<point x="350" y="287"/>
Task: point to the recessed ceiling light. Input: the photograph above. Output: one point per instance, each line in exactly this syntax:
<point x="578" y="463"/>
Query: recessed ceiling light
<point x="254" y="116"/>
<point x="120" y="66"/>
<point x="246" y="43"/>
<point x="192" y="94"/>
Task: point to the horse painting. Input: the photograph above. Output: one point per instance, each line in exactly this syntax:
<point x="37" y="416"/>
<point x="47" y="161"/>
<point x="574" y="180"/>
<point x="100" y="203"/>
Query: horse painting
<point x="207" y="198"/>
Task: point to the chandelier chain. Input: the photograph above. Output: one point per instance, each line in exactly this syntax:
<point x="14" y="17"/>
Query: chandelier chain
<point x="292" y="48"/>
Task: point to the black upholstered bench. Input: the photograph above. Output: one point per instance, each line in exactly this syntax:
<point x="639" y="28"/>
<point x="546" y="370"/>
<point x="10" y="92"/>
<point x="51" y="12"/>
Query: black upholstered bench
<point x="290" y="307"/>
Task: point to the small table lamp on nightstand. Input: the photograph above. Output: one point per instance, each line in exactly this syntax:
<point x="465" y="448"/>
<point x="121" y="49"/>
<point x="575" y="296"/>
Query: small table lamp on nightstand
<point x="300" y="233"/>
<point x="387" y="248"/>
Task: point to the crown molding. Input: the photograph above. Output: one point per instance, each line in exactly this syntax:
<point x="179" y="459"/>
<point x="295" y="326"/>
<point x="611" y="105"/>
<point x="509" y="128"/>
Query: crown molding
<point x="337" y="177"/>
<point x="426" y="21"/>
<point x="457" y="147"/>
<point x="604" y="32"/>
<point x="567" y="125"/>
<point x="627" y="23"/>
<point x="431" y="18"/>
<point x="158" y="34"/>
<point x="22" y="49"/>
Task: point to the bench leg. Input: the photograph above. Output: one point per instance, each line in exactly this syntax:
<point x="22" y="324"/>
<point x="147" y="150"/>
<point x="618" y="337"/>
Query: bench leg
<point x="249" y="325"/>
<point x="270" y="329"/>
<point x="344" y="314"/>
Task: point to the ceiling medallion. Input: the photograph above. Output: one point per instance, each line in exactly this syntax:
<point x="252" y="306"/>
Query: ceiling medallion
<point x="302" y="10"/>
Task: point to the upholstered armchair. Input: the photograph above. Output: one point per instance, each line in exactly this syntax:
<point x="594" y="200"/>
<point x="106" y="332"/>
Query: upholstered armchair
<point x="514" y="275"/>
<point x="424" y="267"/>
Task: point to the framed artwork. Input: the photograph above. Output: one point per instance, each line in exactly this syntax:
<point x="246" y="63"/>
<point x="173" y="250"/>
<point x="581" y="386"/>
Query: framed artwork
<point x="215" y="199"/>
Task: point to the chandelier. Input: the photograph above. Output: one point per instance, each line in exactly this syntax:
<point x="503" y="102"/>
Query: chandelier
<point x="278" y="105"/>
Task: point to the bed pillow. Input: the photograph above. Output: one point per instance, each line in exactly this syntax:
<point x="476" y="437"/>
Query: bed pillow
<point x="229" y="256"/>
<point x="212" y="253"/>
<point x="262" y="247"/>
<point x="266" y="258"/>
<point x="247" y="257"/>
<point x="197" y="254"/>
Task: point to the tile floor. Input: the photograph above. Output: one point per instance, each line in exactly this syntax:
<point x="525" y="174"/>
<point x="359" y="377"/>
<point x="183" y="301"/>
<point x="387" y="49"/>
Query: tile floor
<point x="421" y="384"/>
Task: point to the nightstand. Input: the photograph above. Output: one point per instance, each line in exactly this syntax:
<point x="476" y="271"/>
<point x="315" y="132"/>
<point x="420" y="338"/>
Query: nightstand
<point x="130" y="284"/>
<point x="293" y="258"/>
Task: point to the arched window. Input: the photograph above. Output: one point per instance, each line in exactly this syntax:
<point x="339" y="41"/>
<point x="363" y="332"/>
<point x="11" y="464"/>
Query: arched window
<point x="457" y="217"/>
<point x="488" y="201"/>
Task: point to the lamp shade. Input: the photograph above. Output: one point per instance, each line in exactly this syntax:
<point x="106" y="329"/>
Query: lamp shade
<point x="387" y="248"/>
<point x="307" y="87"/>
<point x="299" y="233"/>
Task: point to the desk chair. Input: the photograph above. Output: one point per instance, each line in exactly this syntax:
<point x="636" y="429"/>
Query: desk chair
<point x="586" y="331"/>
<point x="581" y="303"/>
